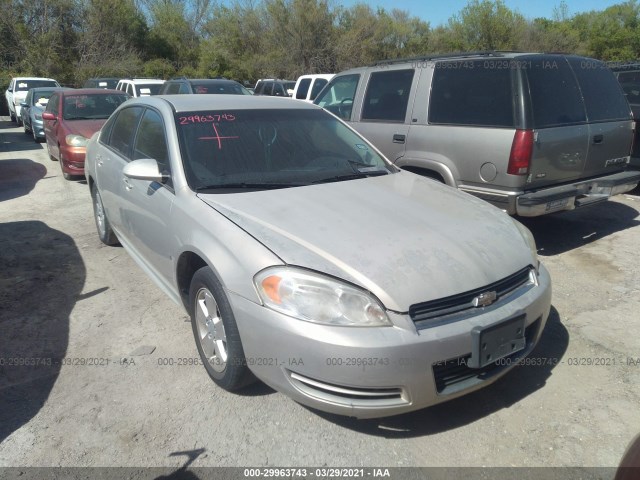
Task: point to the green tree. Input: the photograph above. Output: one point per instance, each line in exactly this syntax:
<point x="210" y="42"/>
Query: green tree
<point x="111" y="39"/>
<point x="486" y="25"/>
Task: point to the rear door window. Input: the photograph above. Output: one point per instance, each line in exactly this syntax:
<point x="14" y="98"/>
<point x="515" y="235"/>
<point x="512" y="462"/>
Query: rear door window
<point x="477" y="93"/>
<point x="387" y="95"/>
<point x="555" y="97"/>
<point x="603" y="96"/>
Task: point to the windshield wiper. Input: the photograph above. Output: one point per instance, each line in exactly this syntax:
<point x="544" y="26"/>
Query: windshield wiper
<point x="352" y="176"/>
<point x="249" y="185"/>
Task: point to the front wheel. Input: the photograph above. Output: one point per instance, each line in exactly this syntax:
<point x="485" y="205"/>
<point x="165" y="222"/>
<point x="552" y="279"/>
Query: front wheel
<point x="106" y="234"/>
<point x="216" y="333"/>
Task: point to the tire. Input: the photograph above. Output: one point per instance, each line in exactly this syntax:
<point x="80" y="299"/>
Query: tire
<point x="12" y="117"/>
<point x="18" y="121"/>
<point x="24" y="126"/>
<point x="216" y="332"/>
<point x="105" y="233"/>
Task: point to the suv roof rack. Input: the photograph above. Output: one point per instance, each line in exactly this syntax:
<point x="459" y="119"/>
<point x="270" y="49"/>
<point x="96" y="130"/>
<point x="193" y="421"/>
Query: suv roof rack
<point x="425" y="58"/>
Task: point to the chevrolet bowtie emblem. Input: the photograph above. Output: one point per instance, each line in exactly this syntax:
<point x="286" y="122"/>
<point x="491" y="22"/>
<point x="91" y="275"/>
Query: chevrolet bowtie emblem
<point x="485" y="299"/>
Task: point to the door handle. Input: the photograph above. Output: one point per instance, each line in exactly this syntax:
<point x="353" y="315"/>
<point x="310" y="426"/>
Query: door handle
<point x="598" y="139"/>
<point x="99" y="161"/>
<point x="127" y="185"/>
<point x="397" y="138"/>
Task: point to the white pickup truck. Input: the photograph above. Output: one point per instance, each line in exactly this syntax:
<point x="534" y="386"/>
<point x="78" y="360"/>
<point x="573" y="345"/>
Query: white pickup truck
<point x="17" y="92"/>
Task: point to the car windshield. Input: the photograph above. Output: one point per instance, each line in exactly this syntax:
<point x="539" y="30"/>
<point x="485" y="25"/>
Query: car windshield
<point x="227" y="88"/>
<point x="41" y="97"/>
<point x="148" y="89"/>
<point x="23" y="85"/>
<point x="275" y="148"/>
<point x="91" y="107"/>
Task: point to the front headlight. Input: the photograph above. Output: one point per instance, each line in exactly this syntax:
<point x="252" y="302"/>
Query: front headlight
<point x="76" y="140"/>
<point x="38" y="116"/>
<point x="529" y="240"/>
<point x="317" y="298"/>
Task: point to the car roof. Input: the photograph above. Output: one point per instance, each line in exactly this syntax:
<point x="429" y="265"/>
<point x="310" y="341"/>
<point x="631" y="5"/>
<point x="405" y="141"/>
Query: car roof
<point x="33" y="78"/>
<point x="205" y="80"/>
<point x="136" y="81"/>
<point x="89" y="91"/>
<point x="207" y="102"/>
<point x="49" y="89"/>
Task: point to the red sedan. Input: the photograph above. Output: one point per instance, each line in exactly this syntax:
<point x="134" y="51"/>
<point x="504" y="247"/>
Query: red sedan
<point x="71" y="118"/>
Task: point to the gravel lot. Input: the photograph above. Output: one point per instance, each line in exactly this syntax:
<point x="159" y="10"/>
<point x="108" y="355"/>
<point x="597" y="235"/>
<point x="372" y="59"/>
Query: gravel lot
<point x="63" y="295"/>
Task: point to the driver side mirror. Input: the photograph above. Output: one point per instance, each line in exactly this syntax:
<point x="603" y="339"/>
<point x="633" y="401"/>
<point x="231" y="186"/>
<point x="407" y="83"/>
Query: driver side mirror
<point x="48" y="116"/>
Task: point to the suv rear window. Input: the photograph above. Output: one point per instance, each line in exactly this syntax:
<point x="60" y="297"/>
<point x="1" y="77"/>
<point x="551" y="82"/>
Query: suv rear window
<point x="471" y="93"/>
<point x="555" y="97"/>
<point x="387" y="95"/>
<point x="23" y="85"/>
<point x="600" y="90"/>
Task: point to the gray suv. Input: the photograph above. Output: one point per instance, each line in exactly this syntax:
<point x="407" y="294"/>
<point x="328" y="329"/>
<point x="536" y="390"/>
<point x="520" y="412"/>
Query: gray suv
<point x="529" y="133"/>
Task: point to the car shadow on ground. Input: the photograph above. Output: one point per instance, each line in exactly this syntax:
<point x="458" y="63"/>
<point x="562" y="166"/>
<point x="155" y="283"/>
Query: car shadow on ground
<point x="18" y="177"/>
<point x="43" y="276"/>
<point x="519" y="383"/>
<point x="561" y="232"/>
<point x="18" y="142"/>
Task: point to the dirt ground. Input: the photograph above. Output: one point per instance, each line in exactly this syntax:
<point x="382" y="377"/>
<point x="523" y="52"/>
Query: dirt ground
<point x="110" y="396"/>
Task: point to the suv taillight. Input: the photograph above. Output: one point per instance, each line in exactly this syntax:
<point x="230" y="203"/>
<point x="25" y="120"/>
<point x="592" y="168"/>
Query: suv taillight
<point x="521" y="150"/>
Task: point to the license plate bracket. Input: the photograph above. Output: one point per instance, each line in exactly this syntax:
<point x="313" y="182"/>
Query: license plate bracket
<point x="492" y="343"/>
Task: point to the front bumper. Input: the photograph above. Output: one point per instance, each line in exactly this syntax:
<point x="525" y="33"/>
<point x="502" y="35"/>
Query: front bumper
<point x="376" y="372"/>
<point x="72" y="159"/>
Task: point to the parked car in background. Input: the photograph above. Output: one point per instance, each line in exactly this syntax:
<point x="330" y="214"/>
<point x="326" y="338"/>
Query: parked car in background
<point x="102" y="82"/>
<point x="530" y="133"/>
<point x="629" y="77"/>
<point x="309" y="86"/>
<point x="274" y="87"/>
<point x="17" y="92"/>
<point x="140" y="87"/>
<point x="178" y="86"/>
<point x="70" y="118"/>
<point x="400" y="293"/>
<point x="31" y="111"/>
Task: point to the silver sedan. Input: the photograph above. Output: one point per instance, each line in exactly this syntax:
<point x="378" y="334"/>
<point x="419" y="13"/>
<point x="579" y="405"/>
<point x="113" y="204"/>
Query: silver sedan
<point x="308" y="260"/>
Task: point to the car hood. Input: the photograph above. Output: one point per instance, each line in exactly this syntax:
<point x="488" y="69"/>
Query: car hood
<point x="403" y="237"/>
<point x="86" y="128"/>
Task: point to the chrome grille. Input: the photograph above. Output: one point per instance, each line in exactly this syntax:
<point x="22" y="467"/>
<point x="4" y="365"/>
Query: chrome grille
<point x="422" y="312"/>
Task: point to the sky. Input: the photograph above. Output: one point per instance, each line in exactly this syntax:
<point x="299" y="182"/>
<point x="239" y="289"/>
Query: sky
<point x="437" y="12"/>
